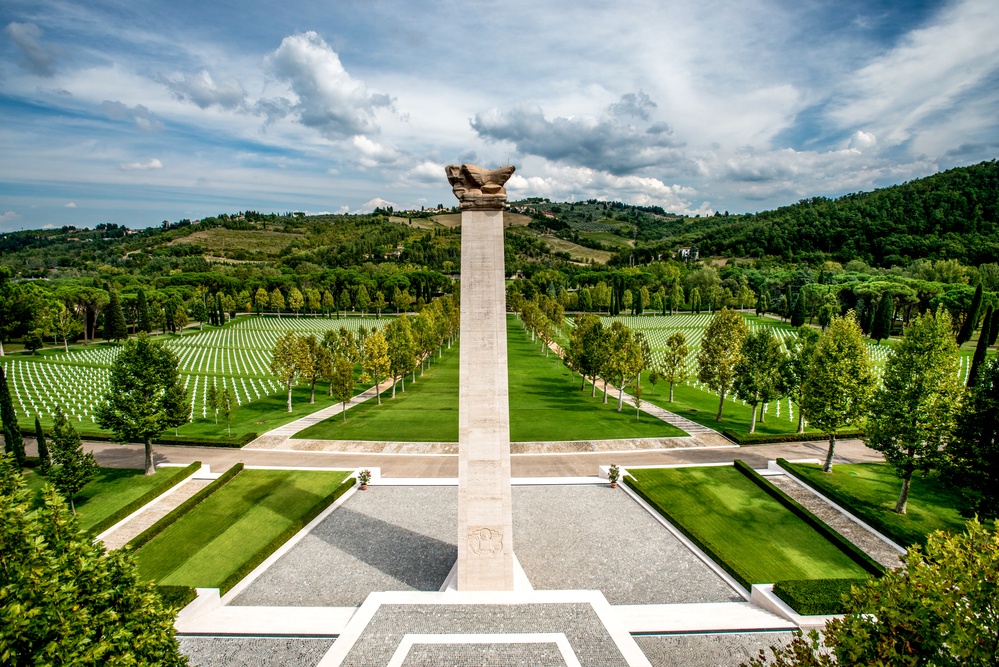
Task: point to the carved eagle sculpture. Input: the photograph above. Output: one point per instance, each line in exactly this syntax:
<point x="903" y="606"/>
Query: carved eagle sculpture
<point x="470" y="180"/>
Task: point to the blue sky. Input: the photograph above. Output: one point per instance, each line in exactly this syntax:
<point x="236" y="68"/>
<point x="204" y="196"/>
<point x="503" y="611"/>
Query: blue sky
<point x="136" y="111"/>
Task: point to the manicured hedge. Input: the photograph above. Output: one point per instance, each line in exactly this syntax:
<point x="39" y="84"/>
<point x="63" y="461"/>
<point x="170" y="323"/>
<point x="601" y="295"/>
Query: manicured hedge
<point x="168" y="440"/>
<point x="284" y="536"/>
<point x="811" y="597"/>
<point x="679" y="525"/>
<point x="184" y="508"/>
<point x="774" y="438"/>
<point x="848" y="547"/>
<point x="177" y="597"/>
<point x="145" y="498"/>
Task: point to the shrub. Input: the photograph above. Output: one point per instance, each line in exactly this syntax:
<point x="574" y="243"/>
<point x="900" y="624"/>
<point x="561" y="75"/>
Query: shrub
<point x="176" y="597"/>
<point x="145" y="498"/>
<point x="817" y="596"/>
<point x="767" y="439"/>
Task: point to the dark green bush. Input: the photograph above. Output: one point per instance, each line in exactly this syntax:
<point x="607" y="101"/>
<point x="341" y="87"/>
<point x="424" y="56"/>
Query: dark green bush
<point x="285" y="535"/>
<point x="773" y="438"/>
<point x="177" y="597"/>
<point x="149" y="495"/>
<point x="811" y="597"/>
<point x="184" y="507"/>
<point x="848" y="547"/>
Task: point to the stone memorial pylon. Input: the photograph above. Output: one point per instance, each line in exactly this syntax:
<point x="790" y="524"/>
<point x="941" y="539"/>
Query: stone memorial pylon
<point x="485" y="522"/>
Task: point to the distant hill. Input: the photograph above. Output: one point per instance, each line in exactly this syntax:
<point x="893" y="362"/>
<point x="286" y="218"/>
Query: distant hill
<point x="950" y="215"/>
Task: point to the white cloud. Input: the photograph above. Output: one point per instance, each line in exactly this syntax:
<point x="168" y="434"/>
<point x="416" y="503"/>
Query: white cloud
<point x="71" y="204"/>
<point x="151" y="163"/>
<point x="369" y="206"/>
<point x="7" y="216"/>
<point x="862" y="140"/>
<point x="202" y="89"/>
<point x="373" y="154"/>
<point x="329" y="99"/>
<point x="139" y="114"/>
<point x="426" y="172"/>
<point x="37" y="58"/>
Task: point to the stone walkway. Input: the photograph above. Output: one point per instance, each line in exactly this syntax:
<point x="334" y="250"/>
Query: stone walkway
<point x="152" y="512"/>
<point x="868" y="542"/>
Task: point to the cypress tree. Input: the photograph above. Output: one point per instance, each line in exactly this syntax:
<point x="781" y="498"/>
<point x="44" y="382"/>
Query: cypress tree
<point x="13" y="443"/>
<point x="142" y="306"/>
<point x="798" y="310"/>
<point x="881" y="327"/>
<point x="982" y="347"/>
<point x="968" y="328"/>
<point x="115" y="327"/>
<point x="43" y="450"/>
<point x="994" y="329"/>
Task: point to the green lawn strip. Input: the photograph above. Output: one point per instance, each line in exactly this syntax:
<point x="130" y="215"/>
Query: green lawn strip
<point x="749" y="533"/>
<point x="870" y="490"/>
<point x="116" y="493"/>
<point x="235" y="525"/>
<point x="546" y="403"/>
<point x="426" y="412"/>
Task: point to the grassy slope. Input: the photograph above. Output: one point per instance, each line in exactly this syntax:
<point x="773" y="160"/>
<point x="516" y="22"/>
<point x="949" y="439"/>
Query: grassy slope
<point x="227" y="529"/>
<point x="752" y="532"/>
<point x="870" y="490"/>
<point x="545" y="404"/>
<point x="113" y="489"/>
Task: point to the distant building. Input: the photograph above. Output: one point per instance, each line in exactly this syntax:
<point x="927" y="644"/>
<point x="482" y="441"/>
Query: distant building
<point x="687" y="253"/>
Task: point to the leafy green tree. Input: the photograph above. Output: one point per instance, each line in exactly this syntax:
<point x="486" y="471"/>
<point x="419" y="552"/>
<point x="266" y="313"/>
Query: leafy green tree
<point x="145" y="396"/>
<point x="72" y="468"/>
<point x="673" y="367"/>
<point x="319" y="366"/>
<point x="375" y="360"/>
<point x="720" y="352"/>
<point x="44" y="460"/>
<point x="695" y="301"/>
<point x="342" y="383"/>
<point x="8" y="312"/>
<point x="227" y="403"/>
<point x="65" y="325"/>
<point x="938" y="609"/>
<point x="362" y="300"/>
<point x="115" y="327"/>
<point x="982" y="348"/>
<point x="401" y="300"/>
<point x="883" y="317"/>
<point x="276" y="301"/>
<point x="624" y="362"/>
<point x="839" y="383"/>
<point x="13" y="443"/>
<point x="295" y="301"/>
<point x="260" y="300"/>
<point x="65" y="600"/>
<point x="328" y="302"/>
<point x="314" y="300"/>
<point x="761" y="373"/>
<point x="289" y="359"/>
<point x="199" y="312"/>
<point x="913" y="411"/>
<point x="801" y="350"/>
<point x="399" y="336"/>
<point x="343" y="302"/>
<point x="971" y="319"/>
<point x="179" y="317"/>
<point x="581" y="352"/>
<point x="972" y="456"/>
<point x="33" y="341"/>
<point x="213" y="401"/>
<point x="379" y="304"/>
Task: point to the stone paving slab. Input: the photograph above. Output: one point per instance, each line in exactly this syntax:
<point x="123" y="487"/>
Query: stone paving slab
<point x="708" y="650"/>
<point x="254" y="651"/>
<point x="869" y="543"/>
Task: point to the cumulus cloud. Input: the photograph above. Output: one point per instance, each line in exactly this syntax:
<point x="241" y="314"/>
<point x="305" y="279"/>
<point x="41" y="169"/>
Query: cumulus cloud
<point x="567" y="183"/>
<point x="329" y="99"/>
<point x="205" y="92"/>
<point x="371" y="205"/>
<point x="138" y="114"/>
<point x="373" y="154"/>
<point x="152" y="163"/>
<point x="620" y="142"/>
<point x="426" y="172"/>
<point x="36" y="57"/>
<point x="71" y="204"/>
<point x="862" y="140"/>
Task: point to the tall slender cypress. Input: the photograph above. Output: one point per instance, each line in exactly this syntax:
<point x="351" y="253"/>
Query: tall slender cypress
<point x="968" y="328"/>
<point x="994" y="329"/>
<point x="115" y="327"/>
<point x="881" y="327"/>
<point x="44" y="461"/>
<point x="142" y="306"/>
<point x="982" y="347"/>
<point x="13" y="443"/>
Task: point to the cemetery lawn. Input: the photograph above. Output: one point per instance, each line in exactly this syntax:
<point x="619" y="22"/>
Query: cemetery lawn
<point x="113" y="489"/>
<point x="870" y="490"/>
<point x="545" y="404"/>
<point x="757" y="539"/>
<point x="219" y="536"/>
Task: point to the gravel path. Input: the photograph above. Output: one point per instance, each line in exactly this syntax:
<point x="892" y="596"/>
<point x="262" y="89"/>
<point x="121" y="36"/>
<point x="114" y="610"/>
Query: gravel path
<point x="383" y="539"/>
<point x="153" y="512"/>
<point x="721" y="650"/>
<point x="595" y="537"/>
<point x="253" y="651"/>
<point x="860" y="536"/>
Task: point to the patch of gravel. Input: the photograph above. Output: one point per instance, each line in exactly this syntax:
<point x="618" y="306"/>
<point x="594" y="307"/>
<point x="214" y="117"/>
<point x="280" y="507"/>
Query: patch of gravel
<point x="484" y="655"/>
<point x="584" y="630"/>
<point x="383" y="539"/>
<point x="595" y="537"/>
<point x="720" y="650"/>
<point x="253" y="651"/>
<point x="863" y="538"/>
